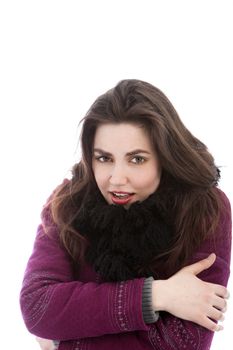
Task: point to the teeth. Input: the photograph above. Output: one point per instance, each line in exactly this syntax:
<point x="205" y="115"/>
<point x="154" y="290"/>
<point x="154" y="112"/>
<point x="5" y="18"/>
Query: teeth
<point x="120" y="195"/>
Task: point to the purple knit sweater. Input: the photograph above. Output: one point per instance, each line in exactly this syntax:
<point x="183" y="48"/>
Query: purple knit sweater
<point x="88" y="314"/>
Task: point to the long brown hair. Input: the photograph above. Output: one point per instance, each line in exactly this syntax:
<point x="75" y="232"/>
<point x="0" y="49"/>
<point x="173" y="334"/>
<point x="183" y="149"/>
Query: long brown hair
<point x="189" y="174"/>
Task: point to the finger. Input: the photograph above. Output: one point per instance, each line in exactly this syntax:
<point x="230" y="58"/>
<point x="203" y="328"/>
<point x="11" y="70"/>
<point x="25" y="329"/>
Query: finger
<point x="209" y="324"/>
<point x="220" y="304"/>
<point x="215" y="314"/>
<point x="201" y="265"/>
<point x="221" y="291"/>
<point x="225" y="308"/>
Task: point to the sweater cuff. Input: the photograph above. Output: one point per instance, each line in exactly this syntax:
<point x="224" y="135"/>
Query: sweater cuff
<point x="149" y="315"/>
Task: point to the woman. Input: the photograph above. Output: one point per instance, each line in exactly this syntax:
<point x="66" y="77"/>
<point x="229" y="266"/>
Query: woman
<point x="116" y="258"/>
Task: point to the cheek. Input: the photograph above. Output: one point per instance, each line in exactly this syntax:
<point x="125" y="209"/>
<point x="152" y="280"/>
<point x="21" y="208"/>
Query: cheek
<point x="100" y="176"/>
<point x="147" y="181"/>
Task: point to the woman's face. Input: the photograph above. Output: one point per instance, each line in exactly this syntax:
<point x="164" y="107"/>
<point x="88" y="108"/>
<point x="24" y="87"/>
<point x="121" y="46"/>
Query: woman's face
<point x="125" y="165"/>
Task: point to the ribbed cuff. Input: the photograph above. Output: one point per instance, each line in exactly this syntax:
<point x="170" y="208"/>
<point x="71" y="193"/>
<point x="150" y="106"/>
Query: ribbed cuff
<point x="149" y="315"/>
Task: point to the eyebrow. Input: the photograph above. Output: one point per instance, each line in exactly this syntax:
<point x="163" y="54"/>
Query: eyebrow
<point x="132" y="153"/>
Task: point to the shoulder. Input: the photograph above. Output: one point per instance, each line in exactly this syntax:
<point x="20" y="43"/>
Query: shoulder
<point x="222" y="234"/>
<point x="225" y="219"/>
<point x="223" y="198"/>
<point x="46" y="214"/>
<point x="219" y="242"/>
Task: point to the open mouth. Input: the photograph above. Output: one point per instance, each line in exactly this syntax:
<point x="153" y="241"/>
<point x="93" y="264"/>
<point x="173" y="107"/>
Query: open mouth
<point x="121" y="197"/>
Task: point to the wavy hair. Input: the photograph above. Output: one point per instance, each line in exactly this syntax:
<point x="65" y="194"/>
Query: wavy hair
<point x="189" y="174"/>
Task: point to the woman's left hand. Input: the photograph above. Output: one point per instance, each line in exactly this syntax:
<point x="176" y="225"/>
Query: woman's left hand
<point x="45" y="344"/>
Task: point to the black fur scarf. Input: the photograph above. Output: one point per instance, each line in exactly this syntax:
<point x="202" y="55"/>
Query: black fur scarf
<point x="123" y="243"/>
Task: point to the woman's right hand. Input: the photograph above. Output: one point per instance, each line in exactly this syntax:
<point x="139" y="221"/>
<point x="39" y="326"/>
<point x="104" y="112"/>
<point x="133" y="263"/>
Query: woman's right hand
<point x="186" y="296"/>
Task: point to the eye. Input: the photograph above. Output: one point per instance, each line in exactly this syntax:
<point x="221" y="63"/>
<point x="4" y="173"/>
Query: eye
<point x="138" y="160"/>
<point x="103" y="159"/>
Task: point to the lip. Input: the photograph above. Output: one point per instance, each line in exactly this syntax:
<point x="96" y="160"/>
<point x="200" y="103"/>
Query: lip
<point x="121" y="201"/>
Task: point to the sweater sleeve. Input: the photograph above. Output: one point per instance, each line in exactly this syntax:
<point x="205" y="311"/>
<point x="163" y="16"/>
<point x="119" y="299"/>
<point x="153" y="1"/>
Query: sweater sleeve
<point x="56" y="306"/>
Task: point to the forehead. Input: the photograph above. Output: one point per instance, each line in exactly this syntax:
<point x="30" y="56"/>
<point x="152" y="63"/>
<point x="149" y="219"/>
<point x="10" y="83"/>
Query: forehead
<point x="121" y="136"/>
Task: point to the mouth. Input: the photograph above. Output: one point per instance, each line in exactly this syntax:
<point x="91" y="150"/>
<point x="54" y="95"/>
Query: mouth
<point x="121" y="198"/>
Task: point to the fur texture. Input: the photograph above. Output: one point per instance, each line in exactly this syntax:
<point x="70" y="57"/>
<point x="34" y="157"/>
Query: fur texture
<point x="123" y="244"/>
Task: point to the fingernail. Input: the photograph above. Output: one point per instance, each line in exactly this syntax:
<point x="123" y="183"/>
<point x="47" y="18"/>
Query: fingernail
<point x="222" y="318"/>
<point x="219" y="328"/>
<point x="227" y="296"/>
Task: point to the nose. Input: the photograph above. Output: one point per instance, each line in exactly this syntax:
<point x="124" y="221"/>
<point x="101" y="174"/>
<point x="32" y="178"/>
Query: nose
<point x="118" y="176"/>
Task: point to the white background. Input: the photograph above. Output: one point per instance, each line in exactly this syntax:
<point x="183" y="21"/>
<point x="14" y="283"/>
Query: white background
<point x="56" y="58"/>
